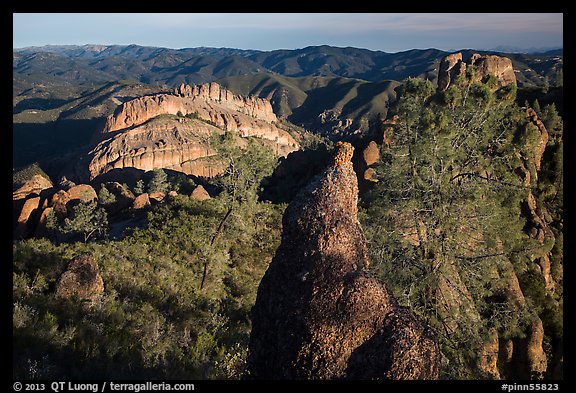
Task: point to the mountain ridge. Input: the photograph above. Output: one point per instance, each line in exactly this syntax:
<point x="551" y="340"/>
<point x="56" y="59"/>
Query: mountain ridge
<point x="322" y="88"/>
<point x="166" y="65"/>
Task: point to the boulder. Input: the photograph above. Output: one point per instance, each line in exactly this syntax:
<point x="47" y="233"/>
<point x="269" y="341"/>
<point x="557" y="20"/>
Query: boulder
<point x="124" y="197"/>
<point x="27" y="218"/>
<point x="41" y="227"/>
<point x="371" y="175"/>
<point x="58" y="202"/>
<point x="82" y="192"/>
<point x="371" y="154"/>
<point x="81" y="280"/>
<point x="141" y="202"/>
<point x="156" y="197"/>
<point x="200" y="193"/>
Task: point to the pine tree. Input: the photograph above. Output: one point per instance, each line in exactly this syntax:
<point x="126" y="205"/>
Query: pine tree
<point x="139" y="187"/>
<point x="105" y="197"/>
<point x="86" y="220"/>
<point x="159" y="181"/>
<point x="445" y="215"/>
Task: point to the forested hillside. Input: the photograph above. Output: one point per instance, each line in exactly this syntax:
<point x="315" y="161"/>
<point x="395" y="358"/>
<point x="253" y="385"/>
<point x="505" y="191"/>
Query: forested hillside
<point x="462" y="215"/>
<point x="465" y="226"/>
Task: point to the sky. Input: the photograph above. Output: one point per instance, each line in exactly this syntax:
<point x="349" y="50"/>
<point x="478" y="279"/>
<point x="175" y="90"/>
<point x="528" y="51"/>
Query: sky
<point x="389" y="32"/>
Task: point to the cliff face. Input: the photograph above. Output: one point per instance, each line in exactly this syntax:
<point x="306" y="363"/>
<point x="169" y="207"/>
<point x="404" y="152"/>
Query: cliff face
<point x="318" y="313"/>
<point x="452" y="66"/>
<point x="137" y="136"/>
<point x="210" y="101"/>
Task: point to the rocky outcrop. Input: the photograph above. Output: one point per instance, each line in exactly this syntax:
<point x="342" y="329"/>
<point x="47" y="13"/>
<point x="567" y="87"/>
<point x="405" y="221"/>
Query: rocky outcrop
<point x="124" y="198"/>
<point x="318" y="313"/>
<point x="368" y="156"/>
<point x="35" y="186"/>
<point x="535" y="130"/>
<point x="41" y="229"/>
<point x="27" y="201"/>
<point x="532" y="353"/>
<point x="200" y="193"/>
<point x="138" y="136"/>
<point x="81" y="280"/>
<point x="65" y="184"/>
<point x="59" y="202"/>
<point x="156" y="196"/>
<point x="539" y="218"/>
<point x="27" y="218"/>
<point x="83" y="193"/>
<point x="209" y="101"/>
<point x="488" y="356"/>
<point x="160" y="143"/>
<point x="500" y="67"/>
<point x="452" y="66"/>
<point x="332" y="121"/>
<point x="141" y="202"/>
<point x="518" y="357"/>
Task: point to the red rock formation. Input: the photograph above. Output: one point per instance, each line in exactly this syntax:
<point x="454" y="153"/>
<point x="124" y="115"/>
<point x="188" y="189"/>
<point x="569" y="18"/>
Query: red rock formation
<point x="26" y="219"/>
<point x="370" y="175"/>
<point x="59" y="202"/>
<point x="500" y="67"/>
<point x="41" y="227"/>
<point x="446" y="73"/>
<point x="543" y="137"/>
<point x="156" y="197"/>
<point x="536" y="213"/>
<point x="82" y="192"/>
<point x="200" y="193"/>
<point x="371" y="154"/>
<point x="35" y="186"/>
<point x="142" y="202"/>
<point x="452" y="66"/>
<point x="134" y="136"/>
<point x="318" y="313"/>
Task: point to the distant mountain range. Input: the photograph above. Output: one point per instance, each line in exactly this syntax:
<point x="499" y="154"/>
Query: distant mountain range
<point x="105" y="63"/>
<point x="62" y="92"/>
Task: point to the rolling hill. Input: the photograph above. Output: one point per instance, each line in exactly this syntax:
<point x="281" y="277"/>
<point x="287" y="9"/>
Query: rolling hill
<point x="61" y="93"/>
<point x="97" y="63"/>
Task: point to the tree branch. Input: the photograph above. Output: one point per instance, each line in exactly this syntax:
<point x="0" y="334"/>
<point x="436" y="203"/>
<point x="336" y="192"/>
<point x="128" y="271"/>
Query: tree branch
<point x="481" y="256"/>
<point x="471" y="174"/>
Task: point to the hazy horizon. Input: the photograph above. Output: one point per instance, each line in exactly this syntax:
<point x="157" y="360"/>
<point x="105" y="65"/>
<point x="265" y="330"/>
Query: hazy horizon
<point x="496" y="49"/>
<point x="265" y="32"/>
